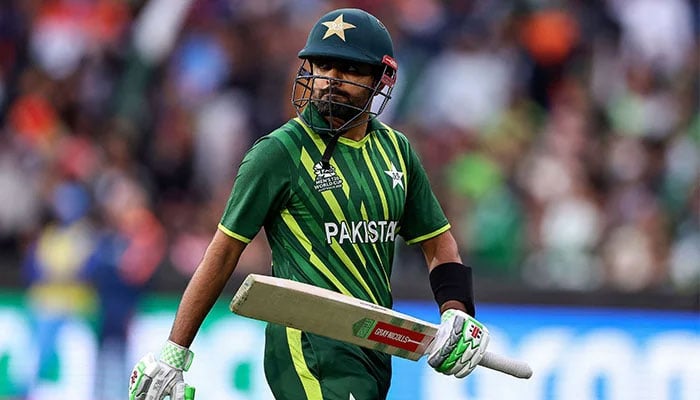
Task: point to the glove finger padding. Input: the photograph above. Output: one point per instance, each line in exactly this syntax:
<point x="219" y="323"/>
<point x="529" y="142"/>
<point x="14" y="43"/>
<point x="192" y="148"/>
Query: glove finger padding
<point x="178" y="392"/>
<point x="459" y="344"/>
<point x="152" y="380"/>
<point x="471" y="361"/>
<point x="446" y="340"/>
<point x="182" y="391"/>
<point x="141" y="377"/>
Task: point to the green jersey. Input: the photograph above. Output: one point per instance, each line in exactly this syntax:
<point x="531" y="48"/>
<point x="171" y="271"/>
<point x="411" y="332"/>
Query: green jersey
<point x="334" y="228"/>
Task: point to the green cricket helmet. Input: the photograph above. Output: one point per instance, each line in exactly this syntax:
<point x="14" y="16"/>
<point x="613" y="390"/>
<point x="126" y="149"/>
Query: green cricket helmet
<point x="349" y="34"/>
<point x="353" y="37"/>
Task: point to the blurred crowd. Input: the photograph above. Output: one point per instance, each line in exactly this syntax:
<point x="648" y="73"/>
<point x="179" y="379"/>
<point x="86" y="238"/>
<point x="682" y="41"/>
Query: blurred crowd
<point x="562" y="136"/>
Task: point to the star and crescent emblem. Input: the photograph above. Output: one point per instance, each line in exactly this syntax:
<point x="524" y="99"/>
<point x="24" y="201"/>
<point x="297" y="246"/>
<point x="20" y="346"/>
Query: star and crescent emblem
<point x="396" y="177"/>
<point x="337" y="27"/>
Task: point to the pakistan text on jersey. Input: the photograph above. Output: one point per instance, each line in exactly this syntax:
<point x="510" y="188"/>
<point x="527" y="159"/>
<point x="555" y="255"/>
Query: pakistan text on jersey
<point x="361" y="231"/>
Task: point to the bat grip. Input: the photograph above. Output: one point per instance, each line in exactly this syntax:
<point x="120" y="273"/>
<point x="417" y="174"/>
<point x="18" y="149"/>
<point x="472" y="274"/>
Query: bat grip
<point x="518" y="369"/>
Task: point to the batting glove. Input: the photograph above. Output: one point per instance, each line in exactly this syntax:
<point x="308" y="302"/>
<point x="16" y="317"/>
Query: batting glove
<point x="459" y="345"/>
<point x="154" y="379"/>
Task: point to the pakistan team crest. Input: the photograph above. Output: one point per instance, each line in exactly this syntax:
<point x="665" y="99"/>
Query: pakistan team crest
<point x="326" y="178"/>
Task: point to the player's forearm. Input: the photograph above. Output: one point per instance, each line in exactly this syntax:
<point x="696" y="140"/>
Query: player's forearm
<point x="440" y="250"/>
<point x="204" y="288"/>
<point x="197" y="300"/>
<point x="450" y="280"/>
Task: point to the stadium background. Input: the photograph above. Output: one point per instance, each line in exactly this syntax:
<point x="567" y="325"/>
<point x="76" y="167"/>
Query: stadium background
<point x="562" y="137"/>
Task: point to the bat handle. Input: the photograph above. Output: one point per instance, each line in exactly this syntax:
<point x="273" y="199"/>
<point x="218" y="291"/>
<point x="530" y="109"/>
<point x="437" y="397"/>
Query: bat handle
<point x="516" y="368"/>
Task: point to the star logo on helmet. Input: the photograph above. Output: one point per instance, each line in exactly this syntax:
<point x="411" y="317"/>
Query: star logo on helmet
<point x="337" y="27"/>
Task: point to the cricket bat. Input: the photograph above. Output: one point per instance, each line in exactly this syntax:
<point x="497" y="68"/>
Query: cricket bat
<point x="348" y="319"/>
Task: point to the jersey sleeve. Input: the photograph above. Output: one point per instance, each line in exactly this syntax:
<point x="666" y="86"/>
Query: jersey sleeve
<point x="260" y="189"/>
<point x="423" y="216"/>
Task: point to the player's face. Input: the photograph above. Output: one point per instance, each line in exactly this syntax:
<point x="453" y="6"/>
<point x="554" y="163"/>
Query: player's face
<point x="347" y="91"/>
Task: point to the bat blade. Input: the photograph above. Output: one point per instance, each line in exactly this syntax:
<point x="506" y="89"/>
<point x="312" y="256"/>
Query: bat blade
<point x="327" y="313"/>
<point x="348" y="319"/>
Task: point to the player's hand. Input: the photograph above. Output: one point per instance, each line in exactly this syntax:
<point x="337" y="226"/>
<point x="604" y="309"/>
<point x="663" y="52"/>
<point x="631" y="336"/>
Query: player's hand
<point x="459" y="345"/>
<point x="154" y="379"/>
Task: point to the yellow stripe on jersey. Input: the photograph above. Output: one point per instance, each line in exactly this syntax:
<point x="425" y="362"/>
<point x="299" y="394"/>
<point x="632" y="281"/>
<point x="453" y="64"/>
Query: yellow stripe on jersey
<point x="394" y="140"/>
<point x="335" y="206"/>
<point x="388" y="162"/>
<point x="312" y="387"/>
<point x="338" y="213"/>
<point x="429" y="235"/>
<point x="353" y="143"/>
<point x="375" y="178"/>
<point x="313" y="258"/>
<point x="321" y="148"/>
<point x="348" y="263"/>
<point x="233" y="234"/>
<point x="363" y="212"/>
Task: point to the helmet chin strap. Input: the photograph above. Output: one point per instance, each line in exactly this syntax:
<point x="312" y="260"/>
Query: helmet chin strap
<point x="337" y="133"/>
<point x="333" y="141"/>
<point x="328" y="153"/>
